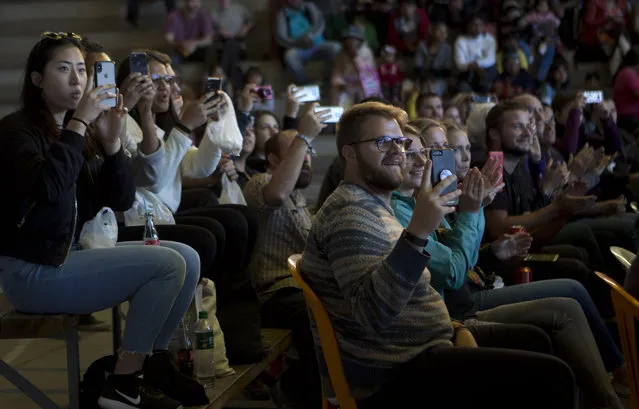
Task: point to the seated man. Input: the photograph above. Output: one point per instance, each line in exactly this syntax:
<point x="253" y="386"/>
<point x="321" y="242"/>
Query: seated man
<point x="189" y="33"/>
<point x="475" y="57"/>
<point x="299" y="30"/>
<point x="284" y="222"/>
<point x="393" y="329"/>
<point x="232" y="22"/>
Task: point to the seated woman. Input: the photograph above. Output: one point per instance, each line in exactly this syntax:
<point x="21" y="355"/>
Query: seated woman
<point x="355" y="74"/>
<point x="454" y="252"/>
<point x="64" y="150"/>
<point x="166" y="157"/>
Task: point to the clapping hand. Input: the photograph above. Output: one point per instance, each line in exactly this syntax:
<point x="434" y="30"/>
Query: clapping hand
<point x="556" y="177"/>
<point x="509" y="246"/>
<point x="472" y="192"/>
<point x="493" y="177"/>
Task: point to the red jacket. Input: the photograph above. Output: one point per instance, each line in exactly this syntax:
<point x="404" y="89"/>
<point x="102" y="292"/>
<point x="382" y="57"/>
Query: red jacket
<point x="390" y="75"/>
<point x="394" y="37"/>
<point x="596" y="17"/>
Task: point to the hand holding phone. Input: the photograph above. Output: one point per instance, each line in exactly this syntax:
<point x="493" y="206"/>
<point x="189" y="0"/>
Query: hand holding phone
<point x="443" y="167"/>
<point x="138" y="62"/>
<point x="213" y="85"/>
<point x="105" y="75"/>
<point x="308" y="93"/>
<point x="593" y="97"/>
<point x="432" y="204"/>
<point x="335" y="113"/>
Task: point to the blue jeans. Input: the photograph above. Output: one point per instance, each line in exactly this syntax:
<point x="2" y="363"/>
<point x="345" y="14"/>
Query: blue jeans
<point x="159" y="283"/>
<point x="296" y="58"/>
<point x="543" y="62"/>
<point x="564" y="288"/>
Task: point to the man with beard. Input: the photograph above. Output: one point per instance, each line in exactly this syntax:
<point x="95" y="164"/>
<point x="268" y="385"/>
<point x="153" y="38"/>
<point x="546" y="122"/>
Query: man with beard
<point x="284" y="223"/>
<point x="394" y="331"/>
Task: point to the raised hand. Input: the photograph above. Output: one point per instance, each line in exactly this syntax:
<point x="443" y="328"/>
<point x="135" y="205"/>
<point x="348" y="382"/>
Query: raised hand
<point x="197" y="112"/>
<point x="111" y="127"/>
<point x="91" y="105"/>
<point x="580" y="165"/>
<point x="556" y="177"/>
<point x="248" y="98"/>
<point x="293" y="95"/>
<point x="134" y="87"/>
<point x="472" y="192"/>
<point x="493" y="176"/>
<point x="311" y="123"/>
<point x="509" y="246"/>
<point x="431" y="206"/>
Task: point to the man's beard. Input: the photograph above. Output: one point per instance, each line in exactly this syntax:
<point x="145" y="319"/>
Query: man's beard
<point x="515" y="151"/>
<point x="377" y="178"/>
<point x="305" y="177"/>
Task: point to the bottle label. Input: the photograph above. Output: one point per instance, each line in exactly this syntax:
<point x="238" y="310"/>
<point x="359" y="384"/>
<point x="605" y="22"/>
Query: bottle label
<point x="151" y="242"/>
<point x="204" y="340"/>
<point x="185" y="361"/>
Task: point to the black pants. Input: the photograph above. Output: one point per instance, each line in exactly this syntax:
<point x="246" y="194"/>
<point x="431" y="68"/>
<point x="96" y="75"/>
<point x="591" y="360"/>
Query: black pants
<point x="459" y="378"/>
<point x="287" y="309"/>
<point x="133" y="9"/>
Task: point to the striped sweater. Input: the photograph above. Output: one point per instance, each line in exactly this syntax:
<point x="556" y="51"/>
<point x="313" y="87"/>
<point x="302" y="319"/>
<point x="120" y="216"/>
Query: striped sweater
<point x="374" y="286"/>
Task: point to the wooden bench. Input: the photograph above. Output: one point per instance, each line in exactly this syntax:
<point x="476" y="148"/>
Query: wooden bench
<point x="16" y="325"/>
<point x="224" y="389"/>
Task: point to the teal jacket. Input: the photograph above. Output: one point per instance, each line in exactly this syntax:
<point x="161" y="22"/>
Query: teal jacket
<point x="453" y="252"/>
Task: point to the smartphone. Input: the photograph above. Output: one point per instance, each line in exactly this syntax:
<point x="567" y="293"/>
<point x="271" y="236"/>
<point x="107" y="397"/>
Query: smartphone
<point x="443" y="167"/>
<point x="213" y="84"/>
<point x="138" y="62"/>
<point x="265" y="92"/>
<point x="309" y="93"/>
<point x="105" y="74"/>
<point x="499" y="156"/>
<point x="542" y="258"/>
<point x="336" y="114"/>
<point x="593" y="97"/>
<point x="481" y="99"/>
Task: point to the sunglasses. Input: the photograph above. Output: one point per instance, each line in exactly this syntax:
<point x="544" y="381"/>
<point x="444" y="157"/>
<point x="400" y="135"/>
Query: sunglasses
<point x="59" y="35"/>
<point x="385" y="143"/>
<point x="169" y="79"/>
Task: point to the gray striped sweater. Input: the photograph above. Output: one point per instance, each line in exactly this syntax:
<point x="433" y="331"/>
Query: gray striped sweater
<point x="375" y="288"/>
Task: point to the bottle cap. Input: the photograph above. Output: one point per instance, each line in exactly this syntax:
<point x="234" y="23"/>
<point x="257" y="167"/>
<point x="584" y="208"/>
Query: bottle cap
<point x="203" y="314"/>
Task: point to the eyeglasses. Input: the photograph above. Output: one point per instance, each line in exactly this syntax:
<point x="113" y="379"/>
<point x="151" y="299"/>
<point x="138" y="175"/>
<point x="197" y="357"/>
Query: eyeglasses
<point x="53" y="35"/>
<point x="384" y="143"/>
<point x="412" y="155"/>
<point x="168" y="79"/>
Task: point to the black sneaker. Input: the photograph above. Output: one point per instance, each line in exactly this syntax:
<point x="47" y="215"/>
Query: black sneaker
<point x="161" y="373"/>
<point x="127" y="392"/>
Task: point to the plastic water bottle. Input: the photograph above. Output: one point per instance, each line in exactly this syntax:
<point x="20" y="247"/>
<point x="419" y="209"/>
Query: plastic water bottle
<point x="204" y="358"/>
<point x="150" y="237"/>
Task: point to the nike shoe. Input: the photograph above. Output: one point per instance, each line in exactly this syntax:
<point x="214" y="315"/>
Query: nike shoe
<point x="129" y="392"/>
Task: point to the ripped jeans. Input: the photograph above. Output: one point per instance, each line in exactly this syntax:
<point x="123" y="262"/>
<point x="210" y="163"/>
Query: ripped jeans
<point x="159" y="282"/>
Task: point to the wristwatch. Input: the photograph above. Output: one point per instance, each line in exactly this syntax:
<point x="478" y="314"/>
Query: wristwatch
<point x="414" y="240"/>
<point x="311" y="150"/>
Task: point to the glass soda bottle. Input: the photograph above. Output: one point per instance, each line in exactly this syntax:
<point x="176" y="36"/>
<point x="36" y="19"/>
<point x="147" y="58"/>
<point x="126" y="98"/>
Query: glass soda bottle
<point x="185" y="353"/>
<point x="150" y="237"/>
<point x="204" y="358"/>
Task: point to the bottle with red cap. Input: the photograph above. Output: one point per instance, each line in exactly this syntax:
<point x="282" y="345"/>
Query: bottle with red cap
<point x="150" y="237"/>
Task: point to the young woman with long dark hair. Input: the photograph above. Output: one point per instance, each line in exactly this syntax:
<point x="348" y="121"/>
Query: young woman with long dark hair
<point x="63" y="158"/>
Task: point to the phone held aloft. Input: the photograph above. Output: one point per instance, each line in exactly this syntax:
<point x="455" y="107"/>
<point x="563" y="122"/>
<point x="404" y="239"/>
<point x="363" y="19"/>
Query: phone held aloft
<point x="443" y="166"/>
<point x="335" y="113"/>
<point x="139" y="63"/>
<point x="105" y="75"/>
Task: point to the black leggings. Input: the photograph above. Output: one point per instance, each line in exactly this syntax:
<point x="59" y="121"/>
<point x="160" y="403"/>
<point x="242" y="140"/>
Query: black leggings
<point x="238" y="233"/>
<point x="459" y="378"/>
<point x="199" y="238"/>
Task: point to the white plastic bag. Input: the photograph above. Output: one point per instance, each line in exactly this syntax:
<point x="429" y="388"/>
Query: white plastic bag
<point x="206" y="300"/>
<point x="225" y="134"/>
<point x="144" y="200"/>
<point x="231" y="192"/>
<point x="101" y="232"/>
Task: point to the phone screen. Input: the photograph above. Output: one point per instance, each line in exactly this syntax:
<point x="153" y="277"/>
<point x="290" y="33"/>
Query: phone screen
<point x="213" y="84"/>
<point x="336" y="114"/>
<point x="443" y="167"/>
<point x="309" y="93"/>
<point x="593" y="97"/>
<point x="105" y="74"/>
<point x="138" y="62"/>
